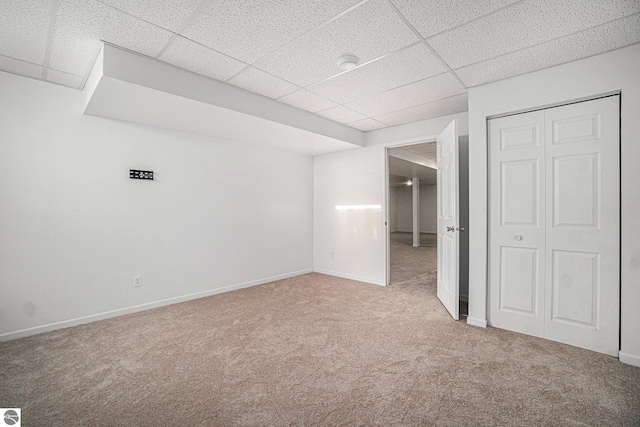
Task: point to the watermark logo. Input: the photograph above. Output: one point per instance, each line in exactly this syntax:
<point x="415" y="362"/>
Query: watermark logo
<point x="11" y="417"/>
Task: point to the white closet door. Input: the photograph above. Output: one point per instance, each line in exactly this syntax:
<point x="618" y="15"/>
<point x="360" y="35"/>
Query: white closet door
<point x="555" y="224"/>
<point x="583" y="224"/>
<point x="517" y="223"/>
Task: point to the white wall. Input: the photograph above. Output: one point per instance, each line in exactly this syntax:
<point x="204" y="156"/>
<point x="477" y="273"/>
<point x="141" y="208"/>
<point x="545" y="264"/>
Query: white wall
<point x="614" y="71"/>
<point x="428" y="209"/>
<point x="74" y="229"/>
<point x="358" y="239"/>
<point x="354" y="237"/>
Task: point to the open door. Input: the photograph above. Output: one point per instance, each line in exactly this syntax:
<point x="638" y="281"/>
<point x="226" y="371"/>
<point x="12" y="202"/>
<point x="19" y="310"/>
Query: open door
<point x="448" y="220"/>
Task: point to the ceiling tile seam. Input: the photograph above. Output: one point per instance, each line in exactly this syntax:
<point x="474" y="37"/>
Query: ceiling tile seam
<point x="135" y="17"/>
<point x="64" y="72"/>
<point x="53" y="17"/>
<point x="266" y="72"/>
<point x="368" y="118"/>
<point x="35" y="78"/>
<point x="376" y="117"/>
<point x="184" y="25"/>
<point x="551" y="66"/>
<point x="20" y="60"/>
<point x="315" y="94"/>
<point x="205" y="46"/>
<point x="417" y="33"/>
<point x="60" y="84"/>
<point x="343" y="106"/>
<point x="22" y="75"/>
<point x="549" y="41"/>
<point x="84" y="82"/>
<point x="363" y="64"/>
<point x="245" y="69"/>
<point x="478" y="18"/>
<point x="308" y="32"/>
<point x="398" y="87"/>
<point x="173" y="33"/>
<point x="156" y="59"/>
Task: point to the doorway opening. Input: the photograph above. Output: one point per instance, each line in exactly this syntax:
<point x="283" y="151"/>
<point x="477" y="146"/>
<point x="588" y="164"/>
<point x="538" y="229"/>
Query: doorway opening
<point x="412" y="215"/>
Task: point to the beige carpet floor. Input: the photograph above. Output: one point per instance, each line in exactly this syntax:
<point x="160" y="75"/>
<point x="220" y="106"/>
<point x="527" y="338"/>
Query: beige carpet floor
<point x="408" y="262"/>
<point x="310" y="351"/>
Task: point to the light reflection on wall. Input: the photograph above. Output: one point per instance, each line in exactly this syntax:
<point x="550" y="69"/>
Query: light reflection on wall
<point x="358" y="207"/>
<point x="365" y="224"/>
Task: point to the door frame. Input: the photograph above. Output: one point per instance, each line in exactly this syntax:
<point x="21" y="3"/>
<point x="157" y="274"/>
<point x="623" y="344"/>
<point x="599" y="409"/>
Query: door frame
<point x="387" y="233"/>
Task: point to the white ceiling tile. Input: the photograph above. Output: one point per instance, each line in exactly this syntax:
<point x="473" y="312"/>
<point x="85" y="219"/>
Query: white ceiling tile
<point x="200" y="59"/>
<point x="369" y="31"/>
<point x="166" y="14"/>
<point x="421" y="92"/>
<point x="80" y="26"/>
<point x="24" y="26"/>
<point x="443" y="107"/>
<point x="341" y="114"/>
<point x="22" y="68"/>
<point x="64" y="79"/>
<point x="250" y="29"/>
<point x="523" y="25"/>
<point x="263" y="83"/>
<point x="597" y="40"/>
<point x="367" y="124"/>
<point x="307" y="101"/>
<point x="435" y="16"/>
<point x="425" y="150"/>
<point x="408" y="65"/>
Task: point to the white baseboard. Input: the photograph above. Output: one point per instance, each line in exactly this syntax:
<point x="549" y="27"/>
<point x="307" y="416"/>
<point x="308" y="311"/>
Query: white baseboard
<point x="350" y="277"/>
<point x="629" y="359"/>
<point x="477" y="322"/>
<point x="142" y="307"/>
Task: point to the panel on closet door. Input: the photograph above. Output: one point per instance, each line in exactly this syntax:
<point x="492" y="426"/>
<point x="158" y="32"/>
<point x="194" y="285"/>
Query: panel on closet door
<point x="519" y="183"/>
<point x="576" y="287"/>
<point x="519" y="279"/>
<point x="518" y="137"/>
<point x="576" y="190"/>
<point x="576" y="129"/>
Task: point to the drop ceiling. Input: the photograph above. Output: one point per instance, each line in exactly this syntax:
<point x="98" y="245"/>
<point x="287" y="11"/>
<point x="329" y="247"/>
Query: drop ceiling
<point x="417" y="58"/>
<point x="416" y="160"/>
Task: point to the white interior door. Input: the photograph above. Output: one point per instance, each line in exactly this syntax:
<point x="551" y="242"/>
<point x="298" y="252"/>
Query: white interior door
<point x="448" y="216"/>
<point x="555" y="224"/>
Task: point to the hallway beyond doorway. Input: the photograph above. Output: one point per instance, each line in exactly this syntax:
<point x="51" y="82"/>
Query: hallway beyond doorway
<point x="408" y="262"/>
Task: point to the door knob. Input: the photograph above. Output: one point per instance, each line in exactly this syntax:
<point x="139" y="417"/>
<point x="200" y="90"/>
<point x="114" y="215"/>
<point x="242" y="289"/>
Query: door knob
<point x="451" y="229"/>
<point x="518" y="237"/>
<point x="460" y="228"/>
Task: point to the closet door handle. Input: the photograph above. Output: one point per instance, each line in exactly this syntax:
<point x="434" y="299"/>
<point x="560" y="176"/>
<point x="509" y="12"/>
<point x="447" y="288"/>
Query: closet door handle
<point x="451" y="229"/>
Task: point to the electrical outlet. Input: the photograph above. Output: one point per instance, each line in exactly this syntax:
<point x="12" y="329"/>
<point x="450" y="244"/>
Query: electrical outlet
<point x="137" y="281"/>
